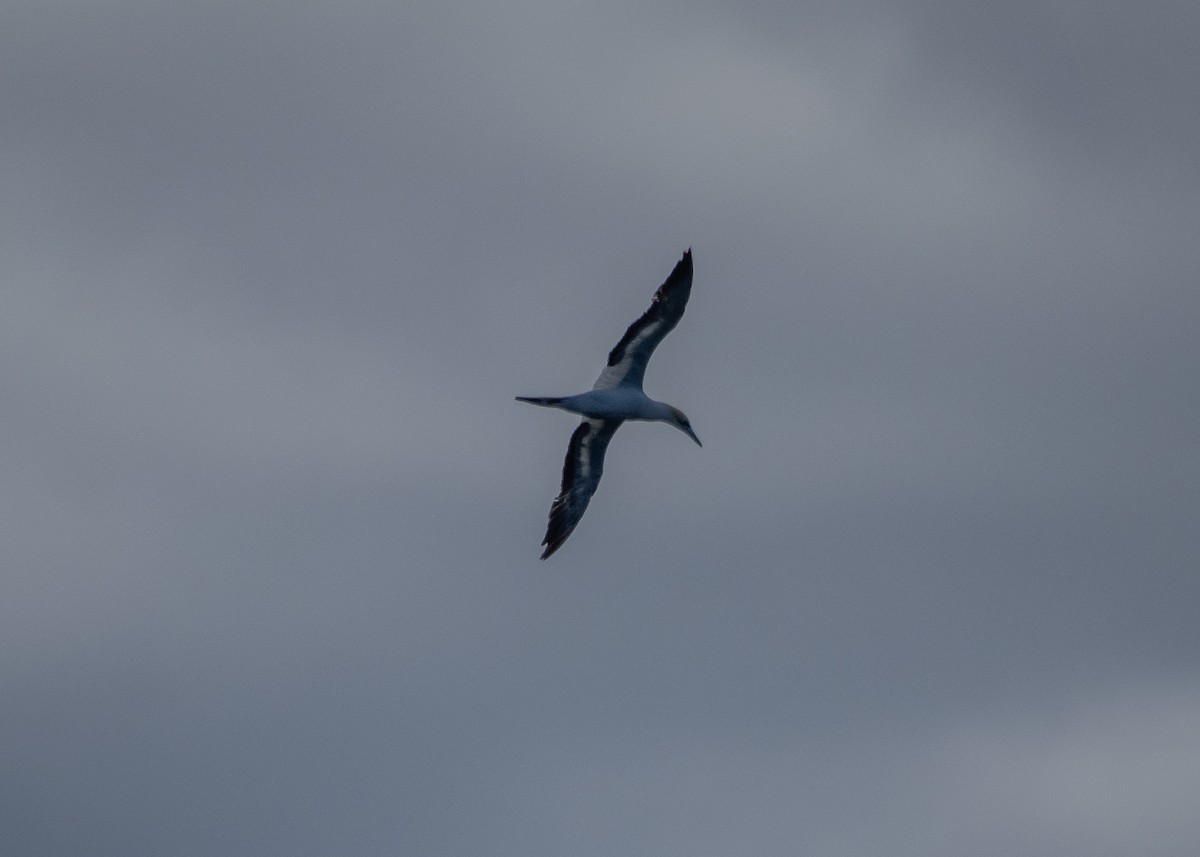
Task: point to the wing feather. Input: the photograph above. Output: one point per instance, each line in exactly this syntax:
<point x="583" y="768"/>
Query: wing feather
<point x="627" y="361"/>
<point x="582" y="470"/>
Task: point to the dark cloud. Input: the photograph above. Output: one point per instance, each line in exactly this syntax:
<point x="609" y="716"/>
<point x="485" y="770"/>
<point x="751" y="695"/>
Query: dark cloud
<point x="275" y="271"/>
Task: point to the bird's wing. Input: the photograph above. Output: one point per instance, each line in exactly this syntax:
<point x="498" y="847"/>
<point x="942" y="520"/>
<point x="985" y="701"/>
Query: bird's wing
<point x="581" y="474"/>
<point x="627" y="361"/>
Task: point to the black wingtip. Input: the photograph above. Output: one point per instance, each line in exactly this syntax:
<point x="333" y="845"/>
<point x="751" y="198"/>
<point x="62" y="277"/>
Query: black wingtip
<point x="552" y="544"/>
<point x="682" y="269"/>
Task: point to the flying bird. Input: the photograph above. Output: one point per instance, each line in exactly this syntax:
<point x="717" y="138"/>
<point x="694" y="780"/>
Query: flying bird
<point x="615" y="397"/>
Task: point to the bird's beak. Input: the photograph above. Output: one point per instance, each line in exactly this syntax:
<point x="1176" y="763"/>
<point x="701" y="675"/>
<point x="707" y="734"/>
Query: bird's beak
<point x="688" y="431"/>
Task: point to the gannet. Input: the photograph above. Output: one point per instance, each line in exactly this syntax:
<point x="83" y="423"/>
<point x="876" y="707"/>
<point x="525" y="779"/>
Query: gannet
<point x="615" y="397"/>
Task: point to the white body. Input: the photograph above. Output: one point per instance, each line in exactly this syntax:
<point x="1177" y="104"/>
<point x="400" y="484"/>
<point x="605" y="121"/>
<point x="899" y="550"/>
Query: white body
<point x="617" y="403"/>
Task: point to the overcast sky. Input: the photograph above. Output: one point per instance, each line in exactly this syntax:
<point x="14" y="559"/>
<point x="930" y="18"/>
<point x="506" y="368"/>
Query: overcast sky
<point x="272" y="272"/>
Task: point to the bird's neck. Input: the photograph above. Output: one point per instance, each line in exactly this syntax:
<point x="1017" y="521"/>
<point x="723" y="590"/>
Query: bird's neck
<point x="657" y="410"/>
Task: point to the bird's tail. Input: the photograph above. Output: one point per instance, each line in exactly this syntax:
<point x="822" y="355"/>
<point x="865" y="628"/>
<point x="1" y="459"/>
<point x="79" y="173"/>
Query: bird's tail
<point x="544" y="401"/>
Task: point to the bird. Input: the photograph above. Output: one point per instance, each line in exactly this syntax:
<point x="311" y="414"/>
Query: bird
<point x="616" y="396"/>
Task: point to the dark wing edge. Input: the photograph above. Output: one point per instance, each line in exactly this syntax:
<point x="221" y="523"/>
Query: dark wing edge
<point x="644" y="335"/>
<point x="582" y="469"/>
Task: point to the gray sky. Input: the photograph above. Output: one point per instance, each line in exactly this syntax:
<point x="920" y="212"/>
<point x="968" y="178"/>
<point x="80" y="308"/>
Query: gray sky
<point x="273" y="272"/>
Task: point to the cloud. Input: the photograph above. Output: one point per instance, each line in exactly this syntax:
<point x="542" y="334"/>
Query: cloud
<point x="1104" y="775"/>
<point x="276" y="271"/>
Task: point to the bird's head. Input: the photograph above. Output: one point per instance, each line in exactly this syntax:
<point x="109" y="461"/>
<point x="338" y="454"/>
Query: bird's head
<point x="680" y="421"/>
